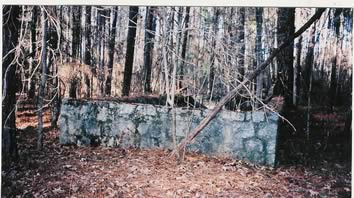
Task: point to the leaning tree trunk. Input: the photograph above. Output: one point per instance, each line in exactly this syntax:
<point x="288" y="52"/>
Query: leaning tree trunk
<point x="285" y="28"/>
<point x="128" y="68"/>
<point x="111" y="53"/>
<point x="248" y="77"/>
<point x="150" y="26"/>
<point x="10" y="40"/>
<point x="43" y="79"/>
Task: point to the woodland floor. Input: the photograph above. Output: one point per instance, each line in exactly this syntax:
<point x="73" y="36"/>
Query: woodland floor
<point x="68" y="171"/>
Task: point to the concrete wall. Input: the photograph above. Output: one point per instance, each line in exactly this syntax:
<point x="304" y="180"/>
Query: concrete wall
<point x="243" y="135"/>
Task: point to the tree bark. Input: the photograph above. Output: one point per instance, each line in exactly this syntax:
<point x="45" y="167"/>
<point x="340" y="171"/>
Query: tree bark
<point x="259" y="52"/>
<point x="248" y="78"/>
<point x="297" y="73"/>
<point x="10" y="39"/>
<point x="212" y="57"/>
<point x="285" y="28"/>
<point x="333" y="84"/>
<point x="184" y="48"/>
<point x="83" y="34"/>
<point x="43" y="79"/>
<point x="88" y="38"/>
<point x="76" y="15"/>
<point x="128" y="68"/>
<point x="112" y="43"/>
<point x="240" y="42"/>
<point x="32" y="85"/>
<point x="101" y="20"/>
<point x="150" y="26"/>
<point x="309" y="68"/>
<point x="53" y="53"/>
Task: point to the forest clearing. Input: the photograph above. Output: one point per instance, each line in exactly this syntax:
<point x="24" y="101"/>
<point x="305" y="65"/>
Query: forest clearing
<point x="149" y="101"/>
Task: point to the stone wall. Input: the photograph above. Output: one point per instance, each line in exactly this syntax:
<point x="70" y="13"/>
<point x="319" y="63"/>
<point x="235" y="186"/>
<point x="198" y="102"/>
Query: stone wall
<point x="243" y="135"/>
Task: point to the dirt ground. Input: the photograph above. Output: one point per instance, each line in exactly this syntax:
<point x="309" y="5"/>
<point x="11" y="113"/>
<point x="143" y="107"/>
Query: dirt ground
<point x="69" y="171"/>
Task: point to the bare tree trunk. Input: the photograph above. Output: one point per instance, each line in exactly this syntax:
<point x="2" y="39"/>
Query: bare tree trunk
<point x="69" y="33"/>
<point x="88" y="38"/>
<point x="333" y="85"/>
<point x="212" y="58"/>
<point x="174" y="80"/>
<point x="309" y="68"/>
<point x="43" y="79"/>
<point x="308" y="108"/>
<point x="248" y="77"/>
<point x="150" y="26"/>
<point x="240" y="42"/>
<point x="76" y="15"/>
<point x="32" y="85"/>
<point x="10" y="40"/>
<point x="112" y="43"/>
<point x="83" y="39"/>
<point x="184" y="48"/>
<point x="101" y="20"/>
<point x="297" y="72"/>
<point x="53" y="45"/>
<point x="88" y="51"/>
<point x="285" y="28"/>
<point x="259" y="52"/>
<point x="128" y="68"/>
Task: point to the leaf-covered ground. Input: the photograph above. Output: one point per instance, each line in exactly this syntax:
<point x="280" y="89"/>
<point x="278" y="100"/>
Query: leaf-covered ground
<point x="68" y="171"/>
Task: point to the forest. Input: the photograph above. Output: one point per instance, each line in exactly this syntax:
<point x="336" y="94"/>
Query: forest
<point x="295" y="62"/>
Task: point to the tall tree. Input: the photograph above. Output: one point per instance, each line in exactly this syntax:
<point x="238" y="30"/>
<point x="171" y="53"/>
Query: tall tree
<point x="10" y="34"/>
<point x="53" y="64"/>
<point x="76" y="32"/>
<point x="83" y="34"/>
<point x="87" y="59"/>
<point x="333" y="84"/>
<point x="285" y="28"/>
<point x="111" y="52"/>
<point x="88" y="50"/>
<point x="101" y="21"/>
<point x="184" y="48"/>
<point x="150" y="26"/>
<point x="240" y="41"/>
<point x="128" y="68"/>
<point x="309" y="61"/>
<point x="213" y="45"/>
<point x="31" y="92"/>
<point x="42" y="85"/>
<point x="297" y="72"/>
<point x="259" y="51"/>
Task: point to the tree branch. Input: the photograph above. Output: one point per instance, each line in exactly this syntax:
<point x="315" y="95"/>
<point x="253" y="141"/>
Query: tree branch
<point x="248" y="78"/>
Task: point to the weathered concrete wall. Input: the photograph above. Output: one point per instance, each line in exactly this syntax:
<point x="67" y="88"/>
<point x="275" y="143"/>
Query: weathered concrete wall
<point x="244" y="135"/>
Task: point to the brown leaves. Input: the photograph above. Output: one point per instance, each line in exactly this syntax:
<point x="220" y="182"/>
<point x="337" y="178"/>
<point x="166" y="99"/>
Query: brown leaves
<point x="112" y="172"/>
